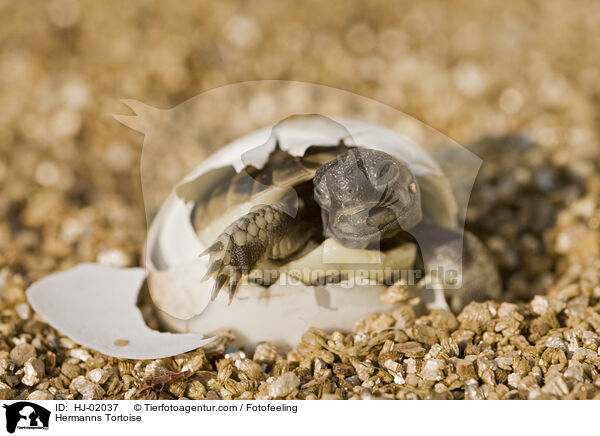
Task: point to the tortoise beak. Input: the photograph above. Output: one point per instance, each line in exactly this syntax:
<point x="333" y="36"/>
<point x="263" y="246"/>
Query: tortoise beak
<point x="361" y="226"/>
<point x="369" y="219"/>
<point x="358" y="228"/>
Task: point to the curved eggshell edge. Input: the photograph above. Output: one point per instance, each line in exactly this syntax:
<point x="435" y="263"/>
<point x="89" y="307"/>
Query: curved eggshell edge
<point x="95" y="305"/>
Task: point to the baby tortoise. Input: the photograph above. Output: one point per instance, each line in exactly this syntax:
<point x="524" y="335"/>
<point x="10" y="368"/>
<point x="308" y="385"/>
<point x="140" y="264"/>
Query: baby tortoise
<point x="357" y="198"/>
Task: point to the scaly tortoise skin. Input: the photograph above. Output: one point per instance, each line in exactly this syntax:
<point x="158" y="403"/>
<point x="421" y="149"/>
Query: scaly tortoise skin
<point x="358" y="196"/>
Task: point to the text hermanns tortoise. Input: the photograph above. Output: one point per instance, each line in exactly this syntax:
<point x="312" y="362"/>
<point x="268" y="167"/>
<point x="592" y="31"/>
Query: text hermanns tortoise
<point x="348" y="207"/>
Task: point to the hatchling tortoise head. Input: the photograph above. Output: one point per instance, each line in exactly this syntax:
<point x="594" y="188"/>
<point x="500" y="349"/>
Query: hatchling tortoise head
<point x="366" y="195"/>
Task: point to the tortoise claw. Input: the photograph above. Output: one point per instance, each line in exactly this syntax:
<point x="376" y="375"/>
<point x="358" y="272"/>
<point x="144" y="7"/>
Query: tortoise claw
<point x="233" y="284"/>
<point x="212" y="269"/>
<point x="228" y="276"/>
<point x="219" y="283"/>
<point x="224" y="266"/>
<point x="214" y="248"/>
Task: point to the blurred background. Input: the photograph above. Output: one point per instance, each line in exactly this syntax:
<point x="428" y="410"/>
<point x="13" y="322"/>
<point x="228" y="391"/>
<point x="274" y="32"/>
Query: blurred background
<point x="69" y="173"/>
<point x="516" y="82"/>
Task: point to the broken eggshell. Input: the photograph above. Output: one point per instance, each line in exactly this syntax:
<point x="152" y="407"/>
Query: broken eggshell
<point x="283" y="311"/>
<point x="95" y="305"/>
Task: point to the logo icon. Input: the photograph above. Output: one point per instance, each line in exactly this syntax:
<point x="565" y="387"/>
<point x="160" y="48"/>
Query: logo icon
<point x="26" y="415"/>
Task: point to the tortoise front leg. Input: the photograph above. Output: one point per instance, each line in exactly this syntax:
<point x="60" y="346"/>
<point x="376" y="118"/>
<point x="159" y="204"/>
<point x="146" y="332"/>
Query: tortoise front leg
<point x="266" y="232"/>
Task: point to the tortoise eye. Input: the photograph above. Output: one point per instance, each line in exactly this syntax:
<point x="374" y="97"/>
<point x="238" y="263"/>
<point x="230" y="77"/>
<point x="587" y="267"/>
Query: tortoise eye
<point x="321" y="193"/>
<point x="387" y="173"/>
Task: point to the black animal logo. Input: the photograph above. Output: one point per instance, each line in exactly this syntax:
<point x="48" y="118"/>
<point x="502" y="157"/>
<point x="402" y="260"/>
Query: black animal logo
<point x="26" y="415"/>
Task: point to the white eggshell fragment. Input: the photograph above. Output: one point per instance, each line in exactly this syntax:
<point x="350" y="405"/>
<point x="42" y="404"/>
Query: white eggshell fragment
<point x="95" y="305"/>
